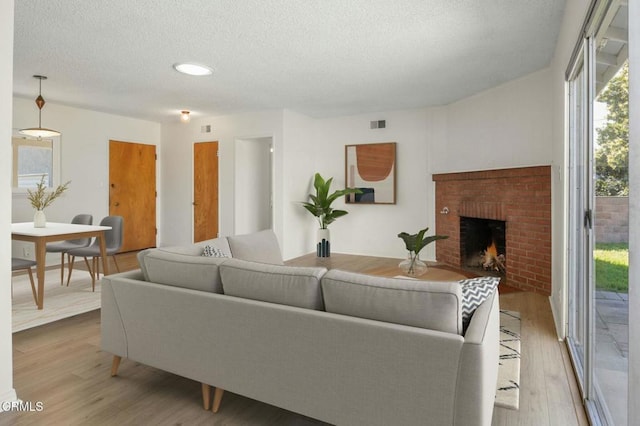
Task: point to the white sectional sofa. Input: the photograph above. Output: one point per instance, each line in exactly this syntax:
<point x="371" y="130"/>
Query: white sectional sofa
<point x="340" y="347"/>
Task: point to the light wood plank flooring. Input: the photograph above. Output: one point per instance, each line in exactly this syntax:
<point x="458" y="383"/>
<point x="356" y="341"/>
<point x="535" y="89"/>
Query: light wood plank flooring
<point x="61" y="365"/>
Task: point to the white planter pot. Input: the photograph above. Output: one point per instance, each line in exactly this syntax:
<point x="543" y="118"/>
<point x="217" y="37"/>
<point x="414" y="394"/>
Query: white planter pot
<point x="39" y="219"/>
<point x="323" y="246"/>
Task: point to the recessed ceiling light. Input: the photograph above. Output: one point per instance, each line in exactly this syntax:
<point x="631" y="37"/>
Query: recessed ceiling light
<point x="192" y="69"/>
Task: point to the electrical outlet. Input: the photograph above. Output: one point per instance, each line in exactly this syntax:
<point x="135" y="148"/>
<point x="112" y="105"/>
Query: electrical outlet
<point x="26" y="252"/>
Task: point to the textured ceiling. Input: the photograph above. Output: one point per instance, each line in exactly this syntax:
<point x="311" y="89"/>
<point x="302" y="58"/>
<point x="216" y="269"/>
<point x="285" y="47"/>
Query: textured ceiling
<point x="321" y="58"/>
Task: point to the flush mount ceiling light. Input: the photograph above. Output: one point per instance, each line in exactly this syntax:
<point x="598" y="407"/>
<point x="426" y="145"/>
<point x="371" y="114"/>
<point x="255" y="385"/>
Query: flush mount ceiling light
<point x="192" y="69"/>
<point x="184" y="116"/>
<point x="39" y="132"/>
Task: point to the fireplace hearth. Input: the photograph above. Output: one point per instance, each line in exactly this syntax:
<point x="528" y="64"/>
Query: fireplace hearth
<point x="508" y="207"/>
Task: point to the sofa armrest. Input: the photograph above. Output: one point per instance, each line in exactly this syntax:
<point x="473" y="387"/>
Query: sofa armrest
<point x="476" y="387"/>
<point x="113" y="335"/>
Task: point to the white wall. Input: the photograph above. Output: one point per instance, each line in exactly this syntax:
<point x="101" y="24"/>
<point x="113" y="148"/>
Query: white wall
<point x="177" y="170"/>
<point x="503" y="127"/>
<point x="367" y="229"/>
<point x="253" y="185"/>
<point x="84" y="158"/>
<point x="507" y="126"/>
<point x="7" y="393"/>
<point x="299" y="153"/>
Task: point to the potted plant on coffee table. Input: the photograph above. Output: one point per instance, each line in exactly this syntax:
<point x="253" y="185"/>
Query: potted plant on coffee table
<point x="413" y="266"/>
<point x="320" y="206"/>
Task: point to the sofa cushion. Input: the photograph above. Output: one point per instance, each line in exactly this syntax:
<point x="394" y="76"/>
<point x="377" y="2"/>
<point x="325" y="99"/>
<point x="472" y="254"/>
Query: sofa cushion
<point x="286" y="285"/>
<point x="143" y="267"/>
<point x="259" y="246"/>
<point x="432" y="305"/>
<point x="182" y="270"/>
<point x="474" y="292"/>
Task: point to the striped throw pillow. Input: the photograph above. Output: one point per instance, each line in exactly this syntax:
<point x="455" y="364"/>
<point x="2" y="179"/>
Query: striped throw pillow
<point x="474" y="292"/>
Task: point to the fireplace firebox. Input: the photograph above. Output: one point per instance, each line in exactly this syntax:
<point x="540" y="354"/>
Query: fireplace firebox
<point x="483" y="245"/>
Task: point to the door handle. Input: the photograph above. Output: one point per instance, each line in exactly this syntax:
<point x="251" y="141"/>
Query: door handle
<point x="116" y="204"/>
<point x="588" y="219"/>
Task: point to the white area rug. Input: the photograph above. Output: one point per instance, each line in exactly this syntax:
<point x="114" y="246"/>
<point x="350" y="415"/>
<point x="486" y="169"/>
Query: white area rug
<point x="59" y="301"/>
<point x="508" y="389"/>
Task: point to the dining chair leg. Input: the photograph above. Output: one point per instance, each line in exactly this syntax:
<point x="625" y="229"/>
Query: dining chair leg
<point x="116" y="263"/>
<point x="92" y="271"/>
<point x="33" y="287"/>
<point x="71" y="263"/>
<point x="62" y="268"/>
<point x="86" y="261"/>
<point x="96" y="261"/>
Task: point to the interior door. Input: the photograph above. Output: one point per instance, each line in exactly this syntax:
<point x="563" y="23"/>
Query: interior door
<point x="205" y="191"/>
<point x="132" y="192"/>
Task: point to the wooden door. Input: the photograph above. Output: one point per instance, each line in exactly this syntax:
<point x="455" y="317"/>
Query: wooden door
<point x="132" y="192"/>
<point x="205" y="191"/>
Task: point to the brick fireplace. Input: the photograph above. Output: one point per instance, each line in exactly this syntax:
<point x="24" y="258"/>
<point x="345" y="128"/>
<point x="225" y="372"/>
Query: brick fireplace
<point x="519" y="197"/>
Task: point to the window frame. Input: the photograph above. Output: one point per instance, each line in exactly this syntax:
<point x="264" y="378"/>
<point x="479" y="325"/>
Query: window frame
<point x="55" y="159"/>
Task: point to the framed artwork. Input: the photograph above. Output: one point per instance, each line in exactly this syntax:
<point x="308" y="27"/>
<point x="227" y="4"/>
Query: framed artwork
<point x="372" y="169"/>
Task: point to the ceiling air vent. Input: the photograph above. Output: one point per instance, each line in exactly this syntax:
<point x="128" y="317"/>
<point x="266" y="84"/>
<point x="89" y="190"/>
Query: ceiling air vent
<point x="379" y="124"/>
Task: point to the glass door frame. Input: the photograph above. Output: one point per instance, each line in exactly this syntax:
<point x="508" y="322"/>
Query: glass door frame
<point x="581" y="330"/>
<point x="581" y="286"/>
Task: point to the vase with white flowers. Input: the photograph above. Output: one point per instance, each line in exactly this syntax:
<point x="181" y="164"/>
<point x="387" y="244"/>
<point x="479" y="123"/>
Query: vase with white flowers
<point x="41" y="199"/>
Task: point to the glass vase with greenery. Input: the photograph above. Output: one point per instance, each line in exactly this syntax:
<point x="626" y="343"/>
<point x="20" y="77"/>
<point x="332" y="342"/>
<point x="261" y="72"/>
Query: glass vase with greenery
<point x="40" y="198"/>
<point x="415" y="243"/>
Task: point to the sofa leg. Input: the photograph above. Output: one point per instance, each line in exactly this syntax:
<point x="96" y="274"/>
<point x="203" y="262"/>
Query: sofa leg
<point x="115" y="364"/>
<point x="206" y="396"/>
<point x="217" y="399"/>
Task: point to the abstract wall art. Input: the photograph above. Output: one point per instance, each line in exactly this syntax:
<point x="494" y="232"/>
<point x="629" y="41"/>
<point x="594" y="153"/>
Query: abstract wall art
<point x="372" y="169"/>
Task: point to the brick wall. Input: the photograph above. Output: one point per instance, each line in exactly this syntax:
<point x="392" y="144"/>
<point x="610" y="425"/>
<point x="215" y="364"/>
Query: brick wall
<point x="522" y="198"/>
<point x="612" y="219"/>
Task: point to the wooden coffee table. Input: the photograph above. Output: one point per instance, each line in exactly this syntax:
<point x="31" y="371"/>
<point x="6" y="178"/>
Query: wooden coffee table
<point x="378" y="266"/>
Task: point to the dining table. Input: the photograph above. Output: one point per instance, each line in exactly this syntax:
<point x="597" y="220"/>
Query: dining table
<point x="26" y="231"/>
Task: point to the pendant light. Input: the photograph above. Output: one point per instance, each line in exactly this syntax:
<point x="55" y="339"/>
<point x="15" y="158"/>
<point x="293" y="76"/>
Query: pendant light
<point x="40" y="132"/>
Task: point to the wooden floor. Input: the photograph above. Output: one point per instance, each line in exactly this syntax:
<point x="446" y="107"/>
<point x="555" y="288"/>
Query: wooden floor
<point x="61" y="365"/>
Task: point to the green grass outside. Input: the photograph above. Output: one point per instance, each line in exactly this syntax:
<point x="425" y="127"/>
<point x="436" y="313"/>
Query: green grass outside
<point x="612" y="267"/>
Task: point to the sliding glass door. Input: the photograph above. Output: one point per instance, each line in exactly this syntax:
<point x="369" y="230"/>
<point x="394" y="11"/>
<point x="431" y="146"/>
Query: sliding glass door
<point x="598" y="227"/>
<point x="580" y="271"/>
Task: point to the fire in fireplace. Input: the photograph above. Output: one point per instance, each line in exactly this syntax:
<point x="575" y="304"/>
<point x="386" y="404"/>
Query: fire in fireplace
<point x="483" y="245"/>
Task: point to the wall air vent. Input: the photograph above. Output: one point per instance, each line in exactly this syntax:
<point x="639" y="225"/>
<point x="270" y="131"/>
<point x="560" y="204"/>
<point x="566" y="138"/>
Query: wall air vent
<point x="378" y="124"/>
<point x="205" y="129"/>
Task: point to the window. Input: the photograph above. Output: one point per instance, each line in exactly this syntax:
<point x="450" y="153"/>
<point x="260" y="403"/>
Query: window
<point x="34" y="159"/>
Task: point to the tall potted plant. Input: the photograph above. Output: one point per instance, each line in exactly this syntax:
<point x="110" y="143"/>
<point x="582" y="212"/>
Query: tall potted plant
<point x="320" y="207"/>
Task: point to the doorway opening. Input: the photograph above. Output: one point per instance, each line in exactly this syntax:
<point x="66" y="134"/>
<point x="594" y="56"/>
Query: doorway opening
<point x="253" y="184"/>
